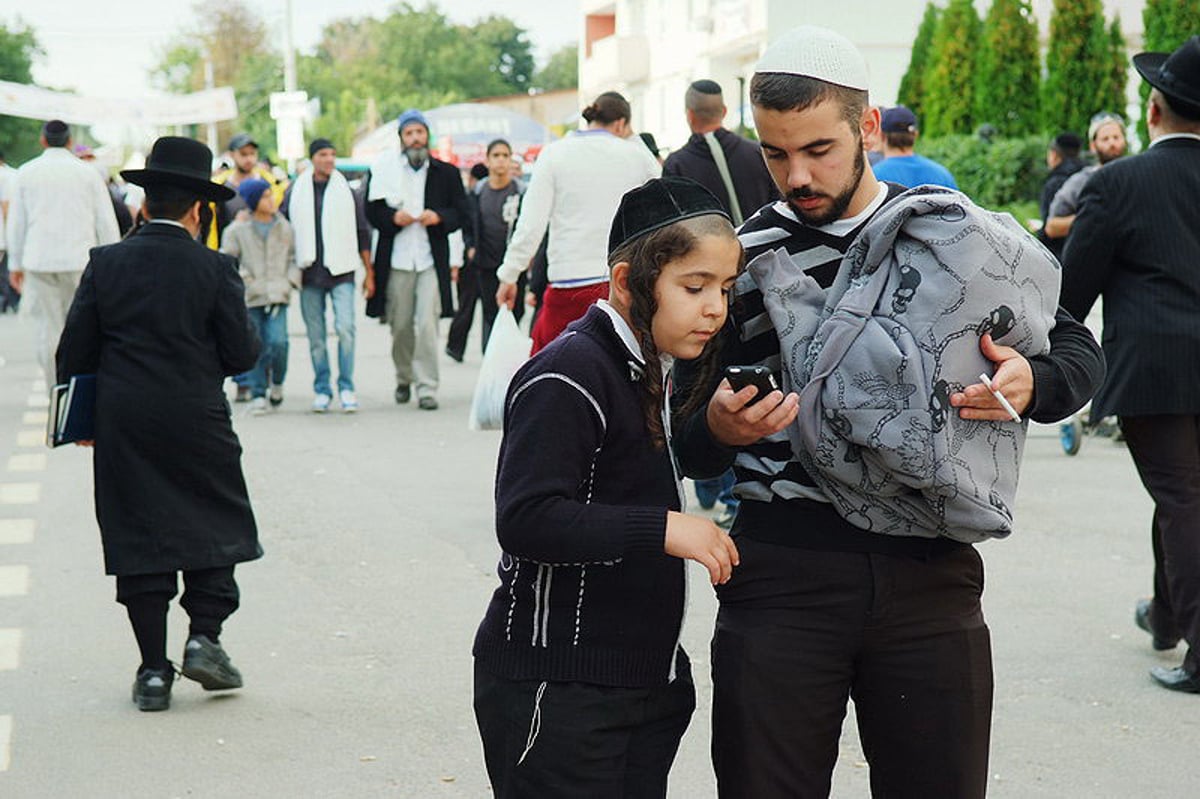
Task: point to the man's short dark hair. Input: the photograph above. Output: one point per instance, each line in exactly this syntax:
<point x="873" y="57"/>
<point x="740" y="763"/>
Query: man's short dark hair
<point x="497" y="143"/>
<point x="901" y="140"/>
<point x="1067" y="145"/>
<point x="56" y="133"/>
<point x="703" y="98"/>
<point x="169" y="202"/>
<point x="780" y="91"/>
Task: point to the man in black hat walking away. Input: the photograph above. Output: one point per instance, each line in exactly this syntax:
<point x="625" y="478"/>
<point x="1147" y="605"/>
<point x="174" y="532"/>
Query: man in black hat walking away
<point x="161" y="320"/>
<point x="1142" y="253"/>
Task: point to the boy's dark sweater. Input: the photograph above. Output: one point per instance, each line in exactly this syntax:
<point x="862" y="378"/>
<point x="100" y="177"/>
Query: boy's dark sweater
<point x="587" y="593"/>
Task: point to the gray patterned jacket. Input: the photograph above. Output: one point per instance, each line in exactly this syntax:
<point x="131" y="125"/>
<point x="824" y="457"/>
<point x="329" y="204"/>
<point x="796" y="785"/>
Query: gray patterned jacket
<point x="877" y="356"/>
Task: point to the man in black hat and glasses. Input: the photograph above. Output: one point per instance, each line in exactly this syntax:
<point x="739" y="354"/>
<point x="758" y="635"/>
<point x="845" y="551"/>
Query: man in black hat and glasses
<point x="1142" y="253"/>
<point x="161" y="320"/>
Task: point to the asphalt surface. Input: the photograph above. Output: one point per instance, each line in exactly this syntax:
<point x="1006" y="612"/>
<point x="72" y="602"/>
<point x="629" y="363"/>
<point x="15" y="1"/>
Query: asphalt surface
<point x="355" y="629"/>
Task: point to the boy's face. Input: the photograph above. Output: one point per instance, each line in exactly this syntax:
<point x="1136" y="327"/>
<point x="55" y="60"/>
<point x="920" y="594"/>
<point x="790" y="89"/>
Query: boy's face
<point x="266" y="204"/>
<point x="816" y="159"/>
<point x="499" y="161"/>
<point x="692" y="294"/>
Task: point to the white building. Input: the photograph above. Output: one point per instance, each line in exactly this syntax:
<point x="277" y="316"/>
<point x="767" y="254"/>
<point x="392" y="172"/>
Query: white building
<point x="650" y="50"/>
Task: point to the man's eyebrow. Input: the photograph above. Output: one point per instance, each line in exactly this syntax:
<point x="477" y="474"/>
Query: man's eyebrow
<point x="812" y="145"/>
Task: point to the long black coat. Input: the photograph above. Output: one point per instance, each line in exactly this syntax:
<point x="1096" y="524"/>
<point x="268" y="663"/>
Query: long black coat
<point x="161" y="320"/>
<point x="751" y="181"/>
<point x="1136" y="240"/>
<point x="445" y="195"/>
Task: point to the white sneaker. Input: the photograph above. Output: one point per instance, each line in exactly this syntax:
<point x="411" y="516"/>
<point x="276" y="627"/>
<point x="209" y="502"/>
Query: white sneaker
<point x="258" y="406"/>
<point x="349" y="401"/>
<point x="321" y="403"/>
<point x="275" y="395"/>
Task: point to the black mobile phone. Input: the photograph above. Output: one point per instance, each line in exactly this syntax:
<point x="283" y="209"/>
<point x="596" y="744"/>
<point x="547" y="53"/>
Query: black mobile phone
<point x="758" y="376"/>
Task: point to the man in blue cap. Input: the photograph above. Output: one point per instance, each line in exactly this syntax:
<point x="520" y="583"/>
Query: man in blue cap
<point x="900" y="164"/>
<point x="415" y="201"/>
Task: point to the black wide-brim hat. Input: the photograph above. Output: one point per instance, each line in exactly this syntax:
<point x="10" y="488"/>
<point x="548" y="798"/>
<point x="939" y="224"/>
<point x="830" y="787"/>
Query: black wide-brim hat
<point x="1176" y="74"/>
<point x="657" y="203"/>
<point x="183" y="163"/>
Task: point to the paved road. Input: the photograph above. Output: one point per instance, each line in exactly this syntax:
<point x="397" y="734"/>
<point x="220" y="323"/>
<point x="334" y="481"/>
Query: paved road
<point x="355" y="631"/>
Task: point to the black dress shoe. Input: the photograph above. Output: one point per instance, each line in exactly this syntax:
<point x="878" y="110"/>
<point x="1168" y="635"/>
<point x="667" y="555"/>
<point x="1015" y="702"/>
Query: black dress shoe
<point x="1176" y="679"/>
<point x="1141" y="617"/>
<point x="152" y="688"/>
<point x="454" y="355"/>
<point x="403" y="394"/>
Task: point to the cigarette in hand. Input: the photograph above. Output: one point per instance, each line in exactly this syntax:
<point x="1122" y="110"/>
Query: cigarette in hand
<point x="1016" y="417"/>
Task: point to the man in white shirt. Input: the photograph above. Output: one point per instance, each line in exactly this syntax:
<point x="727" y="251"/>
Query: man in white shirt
<point x="576" y="188"/>
<point x="59" y="209"/>
<point x="414" y="201"/>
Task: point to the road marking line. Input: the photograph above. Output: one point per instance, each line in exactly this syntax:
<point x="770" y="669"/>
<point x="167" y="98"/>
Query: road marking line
<point x="17" y="531"/>
<point x="33" y="462"/>
<point x="38" y="401"/>
<point x="14" y="580"/>
<point x="10" y="648"/>
<point x="20" y="493"/>
<point x="5" y="741"/>
<point x="31" y="438"/>
<point x="35" y="417"/>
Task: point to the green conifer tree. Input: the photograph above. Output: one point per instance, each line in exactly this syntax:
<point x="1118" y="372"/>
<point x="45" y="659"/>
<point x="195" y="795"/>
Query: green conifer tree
<point x="1112" y="96"/>
<point x="1077" y="65"/>
<point x="949" y="84"/>
<point x="1167" y="24"/>
<point x="912" y="85"/>
<point x="1007" y="72"/>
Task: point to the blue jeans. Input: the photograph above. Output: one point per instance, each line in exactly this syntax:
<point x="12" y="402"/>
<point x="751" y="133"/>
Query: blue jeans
<point x="312" y="309"/>
<point x="271" y="323"/>
<point x="717" y="488"/>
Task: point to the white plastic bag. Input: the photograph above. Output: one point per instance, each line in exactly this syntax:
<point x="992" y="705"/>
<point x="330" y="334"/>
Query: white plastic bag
<point x="507" y="349"/>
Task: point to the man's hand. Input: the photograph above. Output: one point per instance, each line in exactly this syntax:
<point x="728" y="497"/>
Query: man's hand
<point x="16" y="279"/>
<point x="734" y="424"/>
<point x="454" y="274"/>
<point x="369" y="284"/>
<point x="699" y="539"/>
<point x="429" y="218"/>
<point x="88" y="443"/>
<point x="403" y="218"/>
<point x="1013" y="378"/>
<point x="506" y="295"/>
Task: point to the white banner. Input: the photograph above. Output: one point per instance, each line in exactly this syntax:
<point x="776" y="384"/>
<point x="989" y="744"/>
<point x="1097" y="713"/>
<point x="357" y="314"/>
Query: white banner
<point x="211" y="105"/>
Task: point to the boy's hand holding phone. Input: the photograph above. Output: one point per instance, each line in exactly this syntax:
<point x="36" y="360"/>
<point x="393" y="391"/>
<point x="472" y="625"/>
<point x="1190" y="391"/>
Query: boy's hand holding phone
<point x="748" y="406"/>
<point x="699" y="539"/>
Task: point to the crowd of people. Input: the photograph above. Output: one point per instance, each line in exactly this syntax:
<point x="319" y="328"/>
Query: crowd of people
<point x="855" y="486"/>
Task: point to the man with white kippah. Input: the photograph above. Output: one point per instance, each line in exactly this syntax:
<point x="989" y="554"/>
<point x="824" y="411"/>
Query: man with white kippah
<point x="825" y="605"/>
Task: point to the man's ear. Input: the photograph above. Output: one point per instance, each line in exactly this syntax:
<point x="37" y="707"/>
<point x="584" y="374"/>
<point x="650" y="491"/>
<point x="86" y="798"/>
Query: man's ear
<point x="868" y="126"/>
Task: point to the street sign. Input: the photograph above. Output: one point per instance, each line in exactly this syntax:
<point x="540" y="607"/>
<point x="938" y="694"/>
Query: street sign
<point x="289" y="105"/>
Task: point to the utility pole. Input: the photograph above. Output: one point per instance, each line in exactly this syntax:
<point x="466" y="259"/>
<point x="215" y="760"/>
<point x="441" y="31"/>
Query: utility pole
<point x="208" y="84"/>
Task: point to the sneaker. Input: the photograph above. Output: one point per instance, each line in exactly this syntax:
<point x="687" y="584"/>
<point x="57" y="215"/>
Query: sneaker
<point x="321" y="403"/>
<point x="206" y="662"/>
<point x="403" y="394"/>
<point x="243" y="394"/>
<point x="276" y="396"/>
<point x="348" y="400"/>
<point x="258" y="406"/>
<point x="152" y="688"/>
<point x="427" y="404"/>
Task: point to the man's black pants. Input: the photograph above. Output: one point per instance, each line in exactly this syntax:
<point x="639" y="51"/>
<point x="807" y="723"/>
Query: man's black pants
<point x="210" y="596"/>
<point x="1166" y="451"/>
<point x="800" y="631"/>
<point x="479" y="285"/>
<point x="570" y="740"/>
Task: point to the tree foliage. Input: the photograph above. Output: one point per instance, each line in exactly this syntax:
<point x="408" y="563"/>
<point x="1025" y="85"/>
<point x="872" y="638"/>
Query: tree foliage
<point x="1116" y="78"/>
<point x="1077" y="66"/>
<point x="412" y="57"/>
<point x="561" y="70"/>
<point x="1008" y="69"/>
<point x="1167" y="24"/>
<point x="949" y="89"/>
<point x="912" y="85"/>
<point x="235" y="39"/>
<point x="18" y="49"/>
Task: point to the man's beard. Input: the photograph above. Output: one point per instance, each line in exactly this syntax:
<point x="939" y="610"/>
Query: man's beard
<point x="1104" y="158"/>
<point x="840" y="202"/>
<point x="417" y="156"/>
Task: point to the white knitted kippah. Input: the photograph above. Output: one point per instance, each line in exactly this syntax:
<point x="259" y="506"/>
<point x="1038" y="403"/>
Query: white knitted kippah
<point x="816" y="53"/>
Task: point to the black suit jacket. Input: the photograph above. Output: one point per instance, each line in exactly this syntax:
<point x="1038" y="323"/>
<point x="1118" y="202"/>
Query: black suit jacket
<point x="160" y="319"/>
<point x="444" y="195"/>
<point x="1136" y="241"/>
<point x="752" y="182"/>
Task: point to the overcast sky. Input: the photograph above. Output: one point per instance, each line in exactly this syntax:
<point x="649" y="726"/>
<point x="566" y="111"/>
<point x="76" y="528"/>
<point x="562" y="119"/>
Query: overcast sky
<point x="96" y="50"/>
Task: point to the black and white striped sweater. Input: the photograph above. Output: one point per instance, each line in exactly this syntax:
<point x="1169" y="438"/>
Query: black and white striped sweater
<point x="586" y="592"/>
<point x="780" y="501"/>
